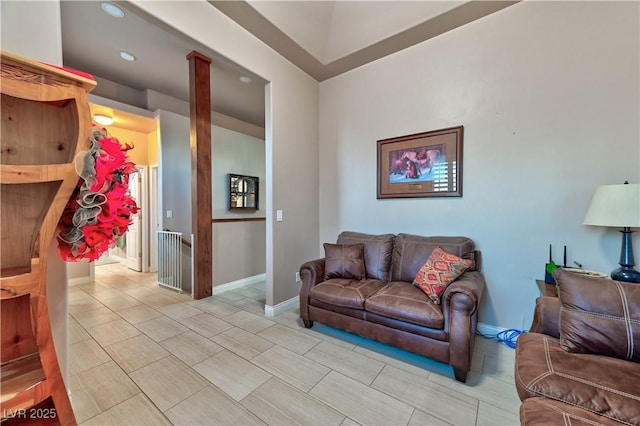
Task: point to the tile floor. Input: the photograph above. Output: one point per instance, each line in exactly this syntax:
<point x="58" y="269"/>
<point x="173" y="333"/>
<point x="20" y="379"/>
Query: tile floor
<point x="144" y="355"/>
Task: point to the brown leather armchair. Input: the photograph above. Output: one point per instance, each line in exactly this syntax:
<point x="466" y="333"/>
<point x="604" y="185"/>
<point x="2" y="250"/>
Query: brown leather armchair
<point x="579" y="362"/>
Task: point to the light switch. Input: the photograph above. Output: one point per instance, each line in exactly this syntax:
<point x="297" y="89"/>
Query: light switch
<point x="169" y="214"/>
<point x="278" y="215"/>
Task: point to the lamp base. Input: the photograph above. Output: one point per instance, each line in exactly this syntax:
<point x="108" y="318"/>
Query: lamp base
<point x="626" y="274"/>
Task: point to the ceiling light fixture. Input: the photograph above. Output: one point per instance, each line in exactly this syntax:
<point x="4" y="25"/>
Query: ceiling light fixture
<point x="103" y="119"/>
<point x="245" y="79"/>
<point x="112" y="10"/>
<point x="127" y="56"/>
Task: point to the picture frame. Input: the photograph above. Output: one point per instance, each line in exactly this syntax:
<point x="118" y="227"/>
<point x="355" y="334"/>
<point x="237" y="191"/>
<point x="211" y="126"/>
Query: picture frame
<point x="427" y="164"/>
<point x="243" y="192"/>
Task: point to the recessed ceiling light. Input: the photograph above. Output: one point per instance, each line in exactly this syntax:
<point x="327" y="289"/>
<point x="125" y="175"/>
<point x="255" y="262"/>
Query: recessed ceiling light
<point x="112" y="10"/>
<point x="103" y="119"/>
<point x="127" y="56"/>
<point x="245" y="79"/>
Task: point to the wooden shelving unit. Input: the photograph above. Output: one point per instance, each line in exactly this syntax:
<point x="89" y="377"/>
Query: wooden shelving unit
<point x="45" y="122"/>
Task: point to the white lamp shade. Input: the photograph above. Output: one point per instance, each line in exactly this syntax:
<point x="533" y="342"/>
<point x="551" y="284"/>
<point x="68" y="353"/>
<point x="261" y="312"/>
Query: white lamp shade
<point x="615" y="205"/>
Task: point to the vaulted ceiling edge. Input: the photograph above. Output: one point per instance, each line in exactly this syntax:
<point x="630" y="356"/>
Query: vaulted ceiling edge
<point x="251" y="20"/>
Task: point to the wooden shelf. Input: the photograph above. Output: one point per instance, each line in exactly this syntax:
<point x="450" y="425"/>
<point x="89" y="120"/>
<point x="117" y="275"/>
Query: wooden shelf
<point x="55" y="140"/>
<point x="45" y="122"/>
<point x="18" y="377"/>
<point x="19" y="281"/>
<point x="29" y="202"/>
<point x="546" y="289"/>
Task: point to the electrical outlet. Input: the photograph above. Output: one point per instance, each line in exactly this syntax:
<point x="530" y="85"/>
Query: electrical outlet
<point x="297" y="277"/>
<point x="278" y="215"/>
<point x="169" y="214"/>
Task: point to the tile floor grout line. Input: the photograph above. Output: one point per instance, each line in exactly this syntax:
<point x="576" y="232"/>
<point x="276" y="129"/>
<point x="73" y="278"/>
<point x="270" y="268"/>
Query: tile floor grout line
<point x="123" y="372"/>
<point x="150" y="297"/>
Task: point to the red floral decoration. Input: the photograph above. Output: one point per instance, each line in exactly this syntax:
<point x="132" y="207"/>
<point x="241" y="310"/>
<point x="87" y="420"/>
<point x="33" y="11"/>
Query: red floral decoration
<point x="100" y="208"/>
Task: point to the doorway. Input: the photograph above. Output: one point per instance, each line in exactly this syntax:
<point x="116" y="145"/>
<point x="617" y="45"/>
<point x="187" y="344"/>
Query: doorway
<point x="130" y="248"/>
<point x="134" y="238"/>
<point x="137" y="128"/>
<point x="154" y="220"/>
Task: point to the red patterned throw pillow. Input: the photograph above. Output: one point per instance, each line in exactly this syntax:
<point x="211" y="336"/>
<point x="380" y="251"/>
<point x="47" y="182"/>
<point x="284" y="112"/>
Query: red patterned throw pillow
<point x="440" y="270"/>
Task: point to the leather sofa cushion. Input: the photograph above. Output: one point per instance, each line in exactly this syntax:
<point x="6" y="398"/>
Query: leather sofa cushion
<point x="377" y="252"/>
<point x="545" y="412"/>
<point x="344" y="261"/>
<point x="345" y="292"/>
<point x="410" y="252"/>
<point x="599" y="316"/>
<point x="607" y="386"/>
<point x="405" y="302"/>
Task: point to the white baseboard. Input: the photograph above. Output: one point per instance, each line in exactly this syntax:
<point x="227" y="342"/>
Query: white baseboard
<point x="272" y="311"/>
<point x="490" y="330"/>
<point x="80" y="280"/>
<point x="233" y="285"/>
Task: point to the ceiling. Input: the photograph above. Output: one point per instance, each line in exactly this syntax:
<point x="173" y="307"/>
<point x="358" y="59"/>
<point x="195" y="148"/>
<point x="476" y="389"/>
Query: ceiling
<point x="323" y="38"/>
<point x="92" y="41"/>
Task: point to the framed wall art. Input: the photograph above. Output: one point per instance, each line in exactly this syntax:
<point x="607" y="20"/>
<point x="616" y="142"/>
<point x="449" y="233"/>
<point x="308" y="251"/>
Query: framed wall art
<point x="243" y="192"/>
<point x="426" y="164"/>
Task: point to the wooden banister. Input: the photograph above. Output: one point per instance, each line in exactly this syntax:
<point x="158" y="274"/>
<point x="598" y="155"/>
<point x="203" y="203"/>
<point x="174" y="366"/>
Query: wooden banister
<point x="239" y="219"/>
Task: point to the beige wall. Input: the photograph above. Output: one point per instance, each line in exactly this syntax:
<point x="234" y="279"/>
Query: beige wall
<point x="291" y="129"/>
<point x="32" y="29"/>
<point x="79" y="272"/>
<point x="153" y="148"/>
<point x="235" y="153"/>
<point x="162" y="102"/>
<point x="549" y="96"/>
<point x="175" y="172"/>
<point x="239" y="248"/>
<point x="139" y="153"/>
<point x="238" y="251"/>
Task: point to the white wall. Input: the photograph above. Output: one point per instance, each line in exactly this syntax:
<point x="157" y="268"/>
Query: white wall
<point x="291" y="136"/>
<point x="548" y="93"/>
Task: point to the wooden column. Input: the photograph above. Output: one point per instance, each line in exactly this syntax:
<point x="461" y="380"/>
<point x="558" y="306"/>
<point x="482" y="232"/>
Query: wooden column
<point x="200" y="136"/>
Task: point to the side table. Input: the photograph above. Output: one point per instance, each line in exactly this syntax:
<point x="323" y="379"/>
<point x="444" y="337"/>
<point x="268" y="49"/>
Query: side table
<point x="546" y="289"/>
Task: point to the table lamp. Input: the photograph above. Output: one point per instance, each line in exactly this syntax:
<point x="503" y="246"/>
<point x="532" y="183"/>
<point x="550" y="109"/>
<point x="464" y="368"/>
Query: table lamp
<point x="618" y="206"/>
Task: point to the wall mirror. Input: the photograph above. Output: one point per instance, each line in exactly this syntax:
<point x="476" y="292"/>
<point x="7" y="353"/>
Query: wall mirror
<point x="243" y="192"/>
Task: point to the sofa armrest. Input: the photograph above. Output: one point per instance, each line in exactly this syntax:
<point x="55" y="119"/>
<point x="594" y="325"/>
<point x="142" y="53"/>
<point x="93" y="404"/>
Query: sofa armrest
<point x="311" y="273"/>
<point x="546" y="316"/>
<point x="460" y="303"/>
<point x="470" y="284"/>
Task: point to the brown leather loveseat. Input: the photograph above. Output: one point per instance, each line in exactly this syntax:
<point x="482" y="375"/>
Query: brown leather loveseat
<point x="579" y="364"/>
<point x="385" y="306"/>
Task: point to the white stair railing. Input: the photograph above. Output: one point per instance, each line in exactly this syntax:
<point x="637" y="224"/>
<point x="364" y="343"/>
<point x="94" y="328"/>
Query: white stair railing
<point x="170" y="260"/>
